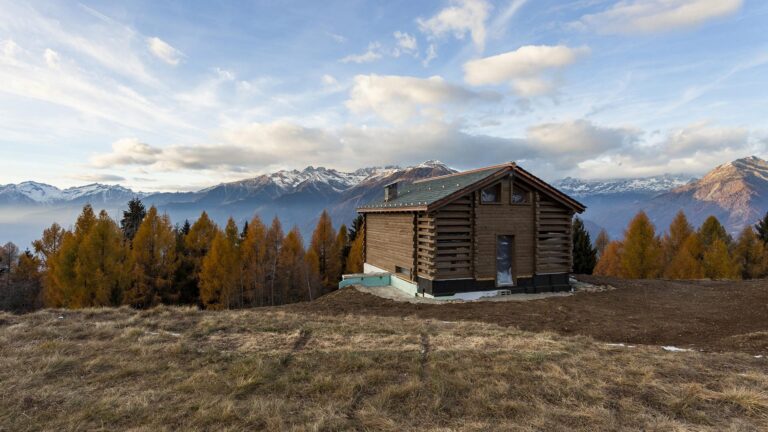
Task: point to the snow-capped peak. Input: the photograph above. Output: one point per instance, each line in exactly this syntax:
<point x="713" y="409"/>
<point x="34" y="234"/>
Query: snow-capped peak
<point x="655" y="184"/>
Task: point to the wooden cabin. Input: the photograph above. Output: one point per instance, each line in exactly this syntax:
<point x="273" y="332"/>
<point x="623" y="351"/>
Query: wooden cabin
<point x="494" y="228"/>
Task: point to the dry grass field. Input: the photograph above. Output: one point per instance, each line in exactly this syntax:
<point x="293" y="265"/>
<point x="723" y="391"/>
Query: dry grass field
<point x="290" y="369"/>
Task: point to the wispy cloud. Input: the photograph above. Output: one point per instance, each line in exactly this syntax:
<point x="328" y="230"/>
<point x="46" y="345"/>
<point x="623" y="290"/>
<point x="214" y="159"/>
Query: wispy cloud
<point x="461" y="18"/>
<point x="162" y="50"/>
<point x="653" y="16"/>
<point x="372" y="54"/>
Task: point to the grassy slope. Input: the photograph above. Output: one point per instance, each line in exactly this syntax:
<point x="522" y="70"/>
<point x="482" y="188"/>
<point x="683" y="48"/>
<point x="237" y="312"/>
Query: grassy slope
<point x="176" y="368"/>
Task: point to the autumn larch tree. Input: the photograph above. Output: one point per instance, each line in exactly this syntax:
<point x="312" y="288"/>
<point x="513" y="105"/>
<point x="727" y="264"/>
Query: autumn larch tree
<point x="292" y="272"/>
<point x="686" y="264"/>
<point x="132" y="218"/>
<point x="340" y="253"/>
<point x="584" y="255"/>
<point x="640" y="258"/>
<point x="153" y="261"/>
<point x="326" y="262"/>
<point x="679" y="231"/>
<point x="355" y="259"/>
<point x="100" y="269"/>
<point x="717" y="263"/>
<point x="220" y="275"/>
<point x="751" y="255"/>
<point x="253" y="251"/>
<point x="712" y="230"/>
<point x="601" y="242"/>
<point x="610" y="261"/>
<point x="197" y="243"/>
<point x="273" y="242"/>
<point x="66" y="280"/>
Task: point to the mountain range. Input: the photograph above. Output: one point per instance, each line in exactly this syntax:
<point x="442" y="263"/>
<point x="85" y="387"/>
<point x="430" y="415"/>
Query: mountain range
<point x="735" y="192"/>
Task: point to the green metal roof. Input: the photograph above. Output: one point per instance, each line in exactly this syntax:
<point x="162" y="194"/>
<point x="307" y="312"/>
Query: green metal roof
<point x="425" y="192"/>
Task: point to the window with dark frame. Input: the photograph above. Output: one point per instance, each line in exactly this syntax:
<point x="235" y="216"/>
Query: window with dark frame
<point x="519" y="195"/>
<point x="403" y="271"/>
<point x="491" y="194"/>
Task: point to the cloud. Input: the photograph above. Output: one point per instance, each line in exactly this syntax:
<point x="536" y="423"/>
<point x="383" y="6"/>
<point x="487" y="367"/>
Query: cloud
<point x="464" y="16"/>
<point x="703" y="137"/>
<point x="51" y="58"/>
<point x="523" y="68"/>
<point x="571" y="142"/>
<point x="336" y="37"/>
<point x="372" y="54"/>
<point x="99" y="177"/>
<point x="405" y="44"/>
<point x="9" y="48"/>
<point x="329" y="80"/>
<point x="431" y="55"/>
<point x="398" y="99"/>
<point x="653" y="16"/>
<point x="162" y="50"/>
<point x="127" y="151"/>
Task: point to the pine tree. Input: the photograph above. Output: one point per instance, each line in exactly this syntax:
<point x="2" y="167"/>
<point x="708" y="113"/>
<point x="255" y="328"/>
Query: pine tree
<point x="273" y="242"/>
<point x="584" y="255"/>
<point x="323" y="241"/>
<point x="254" y="250"/>
<point x="356" y="228"/>
<point x="712" y="230"/>
<point x="153" y="261"/>
<point x="132" y="218"/>
<point x="686" y="264"/>
<point x="610" y="261"/>
<point x="220" y="276"/>
<point x="355" y="259"/>
<point x="641" y="254"/>
<point x="751" y="255"/>
<point x="717" y="262"/>
<point x="601" y="242"/>
<point x="185" y="279"/>
<point x="762" y="229"/>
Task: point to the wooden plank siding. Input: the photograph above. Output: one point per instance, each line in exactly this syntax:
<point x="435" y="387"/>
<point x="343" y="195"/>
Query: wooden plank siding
<point x="389" y="241"/>
<point x="504" y="218"/>
<point x="553" y="254"/>
<point x="453" y="248"/>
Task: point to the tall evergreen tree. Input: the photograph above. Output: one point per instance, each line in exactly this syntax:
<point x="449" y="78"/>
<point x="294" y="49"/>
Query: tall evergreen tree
<point x="132" y="218"/>
<point x="640" y="258"/>
<point x="584" y="255"/>
<point x="762" y="229"/>
<point x="356" y="228"/>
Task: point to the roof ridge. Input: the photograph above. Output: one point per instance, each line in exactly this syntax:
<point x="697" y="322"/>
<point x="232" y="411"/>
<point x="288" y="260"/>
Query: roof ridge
<point x="460" y="173"/>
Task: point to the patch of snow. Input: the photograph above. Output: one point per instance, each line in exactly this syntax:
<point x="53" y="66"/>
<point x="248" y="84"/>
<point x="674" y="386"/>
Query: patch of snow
<point x="671" y="348"/>
<point x="656" y="184"/>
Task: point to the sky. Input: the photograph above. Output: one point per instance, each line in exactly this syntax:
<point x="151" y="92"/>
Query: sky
<point x="180" y="95"/>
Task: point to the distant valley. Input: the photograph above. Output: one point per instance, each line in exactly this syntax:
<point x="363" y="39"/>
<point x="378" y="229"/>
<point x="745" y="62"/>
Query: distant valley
<point x="735" y="192"/>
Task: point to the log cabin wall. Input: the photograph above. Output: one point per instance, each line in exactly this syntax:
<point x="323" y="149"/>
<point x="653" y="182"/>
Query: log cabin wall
<point x="453" y="227"/>
<point x="389" y="242"/>
<point x="504" y="218"/>
<point x="554" y="221"/>
<point x="425" y="245"/>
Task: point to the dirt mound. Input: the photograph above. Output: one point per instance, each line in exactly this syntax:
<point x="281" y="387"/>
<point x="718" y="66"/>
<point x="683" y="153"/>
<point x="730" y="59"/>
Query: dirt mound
<point x="709" y="315"/>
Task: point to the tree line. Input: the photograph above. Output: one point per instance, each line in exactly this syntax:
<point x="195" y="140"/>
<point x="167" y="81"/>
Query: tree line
<point x="144" y="260"/>
<point x="683" y="252"/>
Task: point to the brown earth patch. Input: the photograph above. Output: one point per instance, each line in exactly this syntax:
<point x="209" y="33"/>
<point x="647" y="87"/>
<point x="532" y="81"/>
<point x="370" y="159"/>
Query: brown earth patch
<point x="707" y="315"/>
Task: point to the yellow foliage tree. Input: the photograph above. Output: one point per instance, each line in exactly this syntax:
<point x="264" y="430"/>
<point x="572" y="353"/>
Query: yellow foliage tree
<point x="153" y="261"/>
<point x="355" y="258"/>
<point x="601" y="242"/>
<point x="293" y="272"/>
<point x="197" y="243"/>
<point x="751" y="255"/>
<point x="274" y="241"/>
<point x="686" y="263"/>
<point x="253" y="250"/>
<point x="640" y="258"/>
<point x="609" y="263"/>
<point x="100" y="270"/>
<point x="718" y="263"/>
<point x="220" y="276"/>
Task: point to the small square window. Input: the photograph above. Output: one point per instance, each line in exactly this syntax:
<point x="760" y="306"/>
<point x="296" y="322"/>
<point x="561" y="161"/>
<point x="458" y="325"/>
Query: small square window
<point x="491" y="194"/>
<point x="402" y="271"/>
<point x="519" y="196"/>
